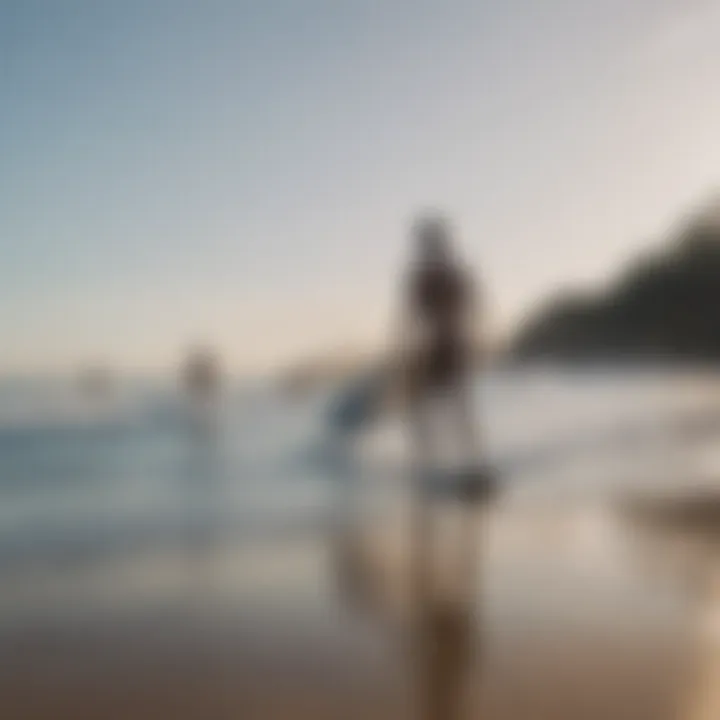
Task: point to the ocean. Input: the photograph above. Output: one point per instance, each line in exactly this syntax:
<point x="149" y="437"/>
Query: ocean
<point x="86" y="479"/>
<point x="127" y="520"/>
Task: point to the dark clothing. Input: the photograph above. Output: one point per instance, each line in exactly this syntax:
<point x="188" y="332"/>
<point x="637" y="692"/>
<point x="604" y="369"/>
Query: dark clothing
<point x="440" y="295"/>
<point x="440" y="298"/>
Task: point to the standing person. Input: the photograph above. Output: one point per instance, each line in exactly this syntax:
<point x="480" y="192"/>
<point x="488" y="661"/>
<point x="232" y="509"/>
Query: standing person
<point x="439" y="349"/>
<point x="438" y="337"/>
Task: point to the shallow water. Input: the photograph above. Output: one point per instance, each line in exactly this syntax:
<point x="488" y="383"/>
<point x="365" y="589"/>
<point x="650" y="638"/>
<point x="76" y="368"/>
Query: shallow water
<point x="213" y="554"/>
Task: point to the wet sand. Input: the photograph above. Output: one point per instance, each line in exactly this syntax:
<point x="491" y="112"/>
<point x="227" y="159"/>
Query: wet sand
<point x="577" y="615"/>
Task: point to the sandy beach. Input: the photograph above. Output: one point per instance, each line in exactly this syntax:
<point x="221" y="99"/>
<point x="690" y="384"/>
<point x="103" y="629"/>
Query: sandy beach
<point x="573" y="618"/>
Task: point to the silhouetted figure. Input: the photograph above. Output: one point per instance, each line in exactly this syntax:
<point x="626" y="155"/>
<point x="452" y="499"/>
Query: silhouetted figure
<point x="438" y="335"/>
<point x="96" y="382"/>
<point x="201" y="376"/>
<point x="437" y="364"/>
<point x="440" y="353"/>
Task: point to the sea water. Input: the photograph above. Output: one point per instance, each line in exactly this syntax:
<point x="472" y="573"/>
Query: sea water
<point x="91" y="484"/>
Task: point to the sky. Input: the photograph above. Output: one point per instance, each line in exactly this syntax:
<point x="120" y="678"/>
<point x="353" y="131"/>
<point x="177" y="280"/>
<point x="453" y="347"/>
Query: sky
<point x="245" y="173"/>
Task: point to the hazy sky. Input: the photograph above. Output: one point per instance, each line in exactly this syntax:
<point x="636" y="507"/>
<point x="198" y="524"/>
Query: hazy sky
<point x="173" y="170"/>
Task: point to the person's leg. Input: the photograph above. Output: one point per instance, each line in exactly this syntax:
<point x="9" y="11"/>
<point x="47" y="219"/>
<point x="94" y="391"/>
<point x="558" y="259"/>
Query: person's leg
<point x="464" y="419"/>
<point x="422" y="450"/>
<point x="470" y="483"/>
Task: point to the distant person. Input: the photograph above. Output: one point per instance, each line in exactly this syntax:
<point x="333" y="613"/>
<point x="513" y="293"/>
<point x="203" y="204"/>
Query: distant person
<point x="96" y="382"/>
<point x="438" y="335"/>
<point x="201" y="375"/>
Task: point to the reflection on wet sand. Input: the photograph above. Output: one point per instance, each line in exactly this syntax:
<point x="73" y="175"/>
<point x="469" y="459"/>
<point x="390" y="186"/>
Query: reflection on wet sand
<point x="704" y="696"/>
<point x="575" y="613"/>
<point x="418" y="576"/>
<point x="614" y="633"/>
<point x="446" y="622"/>
<point x="427" y="600"/>
<point x="683" y="532"/>
<point x="569" y="623"/>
